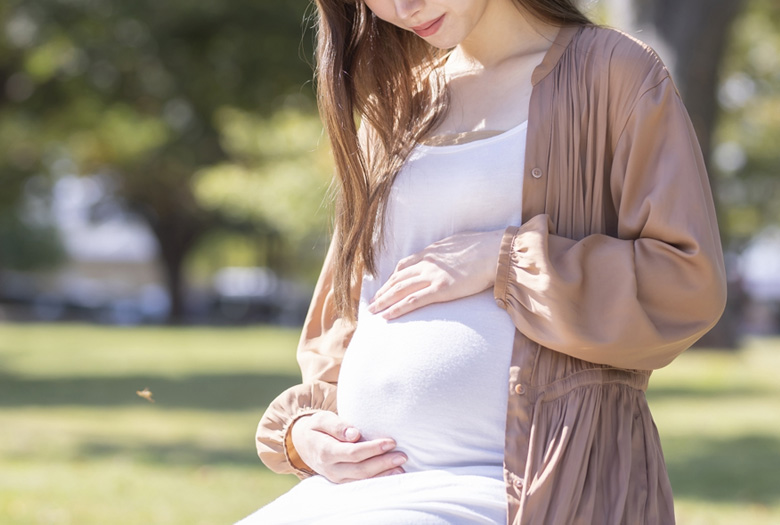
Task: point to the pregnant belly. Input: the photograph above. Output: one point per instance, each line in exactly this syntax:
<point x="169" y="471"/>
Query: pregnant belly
<point x="435" y="380"/>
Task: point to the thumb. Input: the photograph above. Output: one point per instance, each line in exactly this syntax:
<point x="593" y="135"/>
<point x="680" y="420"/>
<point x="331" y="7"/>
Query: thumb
<point x="332" y="424"/>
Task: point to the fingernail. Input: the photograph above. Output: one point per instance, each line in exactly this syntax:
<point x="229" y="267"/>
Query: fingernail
<point x="388" y="445"/>
<point x="351" y="433"/>
<point x="396" y="471"/>
<point x="399" y="460"/>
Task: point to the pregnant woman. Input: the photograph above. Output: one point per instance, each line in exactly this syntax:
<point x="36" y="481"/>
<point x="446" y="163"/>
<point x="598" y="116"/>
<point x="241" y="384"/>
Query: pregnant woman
<point x="524" y="230"/>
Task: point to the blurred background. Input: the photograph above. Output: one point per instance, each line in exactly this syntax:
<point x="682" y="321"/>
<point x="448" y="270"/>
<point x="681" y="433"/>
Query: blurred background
<point x="164" y="215"/>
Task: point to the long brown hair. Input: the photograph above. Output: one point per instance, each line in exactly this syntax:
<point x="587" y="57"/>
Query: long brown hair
<point x="388" y="77"/>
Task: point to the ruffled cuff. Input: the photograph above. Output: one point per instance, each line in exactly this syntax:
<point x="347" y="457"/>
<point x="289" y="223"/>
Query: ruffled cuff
<point x="504" y="266"/>
<point x="273" y="440"/>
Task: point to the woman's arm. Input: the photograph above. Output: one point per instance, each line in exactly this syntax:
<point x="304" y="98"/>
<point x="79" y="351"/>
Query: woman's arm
<point x="322" y="443"/>
<point x="632" y="301"/>
<point x="638" y="300"/>
<point x="321" y="347"/>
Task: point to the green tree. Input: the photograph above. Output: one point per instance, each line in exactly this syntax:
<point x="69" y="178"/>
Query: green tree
<point x="746" y="151"/>
<point x="133" y="89"/>
<point x="278" y="174"/>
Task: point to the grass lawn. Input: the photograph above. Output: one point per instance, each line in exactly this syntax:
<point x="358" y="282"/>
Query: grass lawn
<point x="78" y="446"/>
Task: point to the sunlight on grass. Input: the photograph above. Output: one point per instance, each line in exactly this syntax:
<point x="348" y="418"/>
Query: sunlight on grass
<point x="718" y="414"/>
<point x="117" y="491"/>
<point x="78" y="446"/>
<point x="80" y="350"/>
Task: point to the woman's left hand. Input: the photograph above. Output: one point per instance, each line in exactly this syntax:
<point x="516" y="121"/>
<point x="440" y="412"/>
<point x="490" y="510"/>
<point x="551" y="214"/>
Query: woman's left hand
<point x="458" y="266"/>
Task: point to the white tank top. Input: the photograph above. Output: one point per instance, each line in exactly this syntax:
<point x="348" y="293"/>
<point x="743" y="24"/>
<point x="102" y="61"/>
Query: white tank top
<point x="436" y="379"/>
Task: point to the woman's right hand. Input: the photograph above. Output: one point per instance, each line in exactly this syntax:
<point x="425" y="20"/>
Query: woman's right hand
<point x="331" y="447"/>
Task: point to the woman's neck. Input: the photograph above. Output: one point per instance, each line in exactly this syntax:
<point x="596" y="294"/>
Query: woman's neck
<point x="506" y="31"/>
<point x="489" y="75"/>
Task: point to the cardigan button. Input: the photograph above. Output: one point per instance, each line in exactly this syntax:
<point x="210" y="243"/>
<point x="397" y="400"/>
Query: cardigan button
<point x="501" y="303"/>
<point x="518" y="483"/>
<point x="536" y="173"/>
<point x="519" y="389"/>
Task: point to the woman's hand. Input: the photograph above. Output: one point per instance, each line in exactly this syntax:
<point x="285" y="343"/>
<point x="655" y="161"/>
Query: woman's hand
<point x="330" y="447"/>
<point x="458" y="266"/>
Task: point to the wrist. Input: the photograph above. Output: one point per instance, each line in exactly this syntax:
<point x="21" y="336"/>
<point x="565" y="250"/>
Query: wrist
<point x="293" y="456"/>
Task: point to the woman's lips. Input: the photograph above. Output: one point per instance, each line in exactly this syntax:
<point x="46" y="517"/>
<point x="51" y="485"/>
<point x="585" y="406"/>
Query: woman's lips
<point x="429" y="28"/>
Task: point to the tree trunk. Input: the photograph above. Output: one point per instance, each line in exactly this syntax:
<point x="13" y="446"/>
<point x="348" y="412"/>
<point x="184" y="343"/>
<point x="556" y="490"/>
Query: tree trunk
<point x="698" y="32"/>
<point x="173" y="263"/>
<point x="177" y="231"/>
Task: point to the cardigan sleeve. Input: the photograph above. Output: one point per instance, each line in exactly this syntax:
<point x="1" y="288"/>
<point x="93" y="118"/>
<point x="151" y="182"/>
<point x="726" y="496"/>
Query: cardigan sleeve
<point x="320" y="350"/>
<point x="639" y="299"/>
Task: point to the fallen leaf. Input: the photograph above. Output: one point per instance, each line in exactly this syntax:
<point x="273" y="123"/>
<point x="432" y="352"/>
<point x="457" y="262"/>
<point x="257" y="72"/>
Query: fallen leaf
<point x="146" y="394"/>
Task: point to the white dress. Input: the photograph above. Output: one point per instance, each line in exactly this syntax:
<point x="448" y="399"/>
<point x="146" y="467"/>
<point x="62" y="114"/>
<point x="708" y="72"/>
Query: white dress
<point x="436" y="379"/>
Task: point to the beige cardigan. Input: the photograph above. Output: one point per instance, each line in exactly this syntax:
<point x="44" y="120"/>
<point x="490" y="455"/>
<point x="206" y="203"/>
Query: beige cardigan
<point x="615" y="271"/>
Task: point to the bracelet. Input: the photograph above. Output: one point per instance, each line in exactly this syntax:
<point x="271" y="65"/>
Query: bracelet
<point x="292" y="455"/>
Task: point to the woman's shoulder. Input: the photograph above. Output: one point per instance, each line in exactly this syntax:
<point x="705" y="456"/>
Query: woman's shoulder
<point x="607" y="65"/>
<point x="622" y="57"/>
